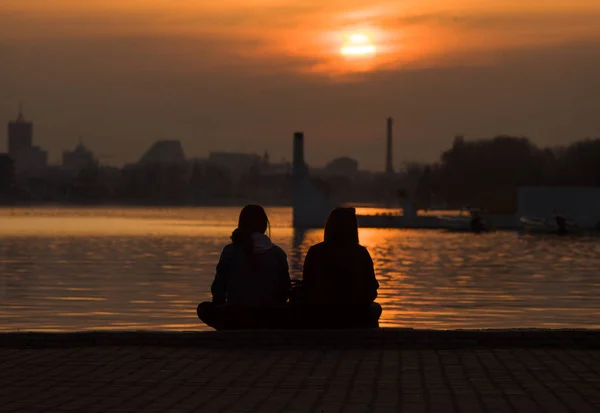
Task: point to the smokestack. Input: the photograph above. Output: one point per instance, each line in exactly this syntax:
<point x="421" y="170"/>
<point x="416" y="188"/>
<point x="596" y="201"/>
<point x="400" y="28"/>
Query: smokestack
<point x="298" y="149"/>
<point x="299" y="169"/>
<point x="389" y="167"/>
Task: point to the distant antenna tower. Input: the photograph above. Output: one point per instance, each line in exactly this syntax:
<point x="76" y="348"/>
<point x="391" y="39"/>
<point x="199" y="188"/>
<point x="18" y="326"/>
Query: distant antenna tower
<point x="389" y="168"/>
<point x="20" y="115"/>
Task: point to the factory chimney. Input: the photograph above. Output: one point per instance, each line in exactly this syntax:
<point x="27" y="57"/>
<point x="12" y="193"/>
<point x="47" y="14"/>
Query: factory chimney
<point x="389" y="167"/>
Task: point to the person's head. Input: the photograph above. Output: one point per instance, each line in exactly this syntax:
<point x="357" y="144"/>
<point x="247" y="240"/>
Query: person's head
<point x="253" y="218"/>
<point x="341" y="226"/>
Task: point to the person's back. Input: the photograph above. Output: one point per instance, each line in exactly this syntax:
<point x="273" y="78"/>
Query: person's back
<point x="258" y="281"/>
<point x="252" y="281"/>
<point x="339" y="277"/>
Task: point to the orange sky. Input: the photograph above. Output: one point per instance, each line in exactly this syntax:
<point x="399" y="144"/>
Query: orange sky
<point x="414" y="31"/>
<point x="63" y="53"/>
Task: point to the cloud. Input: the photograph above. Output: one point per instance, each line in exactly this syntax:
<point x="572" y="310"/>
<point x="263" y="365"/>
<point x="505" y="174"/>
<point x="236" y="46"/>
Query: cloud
<point x="301" y="35"/>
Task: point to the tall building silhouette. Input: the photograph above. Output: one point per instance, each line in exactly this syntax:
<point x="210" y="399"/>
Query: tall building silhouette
<point x="389" y="166"/>
<point x="20" y="135"/>
<point x="27" y="158"/>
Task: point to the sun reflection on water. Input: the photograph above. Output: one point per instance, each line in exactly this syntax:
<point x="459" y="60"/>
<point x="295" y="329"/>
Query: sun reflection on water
<point x="153" y="279"/>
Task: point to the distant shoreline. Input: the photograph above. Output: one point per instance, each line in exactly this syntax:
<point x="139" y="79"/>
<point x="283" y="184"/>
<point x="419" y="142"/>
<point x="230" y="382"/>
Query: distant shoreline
<point x="233" y="203"/>
<point x="236" y="203"/>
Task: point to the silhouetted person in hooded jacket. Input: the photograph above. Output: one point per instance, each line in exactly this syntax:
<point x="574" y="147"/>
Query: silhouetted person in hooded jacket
<point x="252" y="282"/>
<point x="339" y="278"/>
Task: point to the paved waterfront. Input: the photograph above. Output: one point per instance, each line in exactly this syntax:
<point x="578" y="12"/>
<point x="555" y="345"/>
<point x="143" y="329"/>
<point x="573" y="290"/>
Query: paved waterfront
<point x="361" y="371"/>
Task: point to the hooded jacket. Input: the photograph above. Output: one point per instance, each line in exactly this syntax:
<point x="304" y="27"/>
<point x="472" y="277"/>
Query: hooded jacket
<point x="238" y="282"/>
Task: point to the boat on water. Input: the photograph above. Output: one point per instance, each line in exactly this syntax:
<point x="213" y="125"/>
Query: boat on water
<point x="550" y="225"/>
<point x="460" y="222"/>
<point x="470" y="222"/>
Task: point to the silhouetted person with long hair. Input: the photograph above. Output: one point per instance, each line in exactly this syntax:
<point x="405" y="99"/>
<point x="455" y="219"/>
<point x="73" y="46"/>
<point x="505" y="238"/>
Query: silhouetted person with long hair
<point x="339" y="278"/>
<point x="252" y="282"/>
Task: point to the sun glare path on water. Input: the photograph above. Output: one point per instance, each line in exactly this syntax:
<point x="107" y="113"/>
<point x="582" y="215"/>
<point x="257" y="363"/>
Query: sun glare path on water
<point x="358" y="44"/>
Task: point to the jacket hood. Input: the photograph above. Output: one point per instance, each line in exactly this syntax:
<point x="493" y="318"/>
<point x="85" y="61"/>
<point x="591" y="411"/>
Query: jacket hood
<point x="262" y="243"/>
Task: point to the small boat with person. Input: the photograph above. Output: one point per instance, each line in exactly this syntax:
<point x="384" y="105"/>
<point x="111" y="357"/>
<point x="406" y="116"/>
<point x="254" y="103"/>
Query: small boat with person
<point x="555" y="224"/>
<point x="472" y="221"/>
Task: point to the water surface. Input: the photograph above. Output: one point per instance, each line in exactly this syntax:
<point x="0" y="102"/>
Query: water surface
<point x="95" y="269"/>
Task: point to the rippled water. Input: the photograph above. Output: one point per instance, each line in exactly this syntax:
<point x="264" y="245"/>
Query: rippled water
<point x="94" y="269"/>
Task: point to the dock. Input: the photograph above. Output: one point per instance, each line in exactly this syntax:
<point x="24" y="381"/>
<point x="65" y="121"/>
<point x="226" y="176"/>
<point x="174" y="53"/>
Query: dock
<point x="431" y="221"/>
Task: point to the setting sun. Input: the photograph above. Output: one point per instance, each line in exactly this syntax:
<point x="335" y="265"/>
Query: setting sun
<point x="358" y="44"/>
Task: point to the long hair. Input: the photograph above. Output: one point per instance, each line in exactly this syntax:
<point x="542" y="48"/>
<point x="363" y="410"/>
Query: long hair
<point x="253" y="218"/>
<point x="342" y="227"/>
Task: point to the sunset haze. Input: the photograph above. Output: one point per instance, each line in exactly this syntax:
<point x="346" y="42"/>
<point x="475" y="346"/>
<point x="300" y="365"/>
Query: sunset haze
<point x="243" y="76"/>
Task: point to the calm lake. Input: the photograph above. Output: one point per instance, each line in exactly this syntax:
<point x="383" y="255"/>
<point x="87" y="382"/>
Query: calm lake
<point x="128" y="269"/>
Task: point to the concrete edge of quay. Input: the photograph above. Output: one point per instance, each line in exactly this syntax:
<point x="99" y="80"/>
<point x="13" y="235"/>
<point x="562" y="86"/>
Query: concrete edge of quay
<point x="368" y="338"/>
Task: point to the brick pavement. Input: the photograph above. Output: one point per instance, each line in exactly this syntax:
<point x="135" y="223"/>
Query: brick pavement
<point x="272" y="375"/>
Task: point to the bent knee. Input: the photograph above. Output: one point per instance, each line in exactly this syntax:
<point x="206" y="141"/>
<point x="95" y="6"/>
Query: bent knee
<point x="204" y="308"/>
<point x="376" y="309"/>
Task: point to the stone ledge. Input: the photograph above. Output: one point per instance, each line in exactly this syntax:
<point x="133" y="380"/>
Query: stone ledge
<point x="373" y="338"/>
